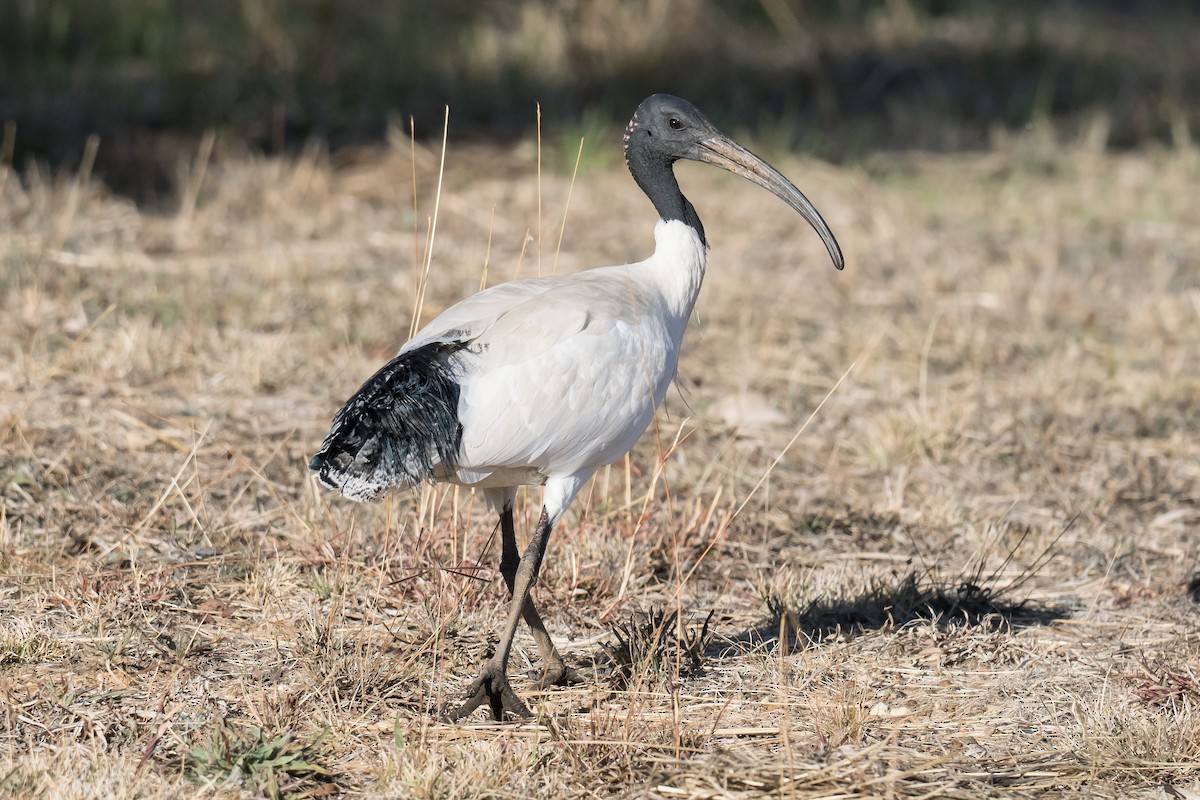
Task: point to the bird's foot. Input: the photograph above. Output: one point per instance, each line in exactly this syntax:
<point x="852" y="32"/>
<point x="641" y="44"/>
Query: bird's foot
<point x="557" y="673"/>
<point x="491" y="687"/>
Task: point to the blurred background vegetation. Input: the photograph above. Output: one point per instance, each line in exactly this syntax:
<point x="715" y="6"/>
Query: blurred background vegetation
<point x="838" y="78"/>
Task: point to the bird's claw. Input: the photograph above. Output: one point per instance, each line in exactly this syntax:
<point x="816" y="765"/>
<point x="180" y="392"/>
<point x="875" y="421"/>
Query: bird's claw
<point x="557" y="674"/>
<point x="491" y="687"/>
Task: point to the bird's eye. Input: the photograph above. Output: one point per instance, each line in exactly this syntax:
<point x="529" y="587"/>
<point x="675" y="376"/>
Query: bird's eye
<point x="675" y="123"/>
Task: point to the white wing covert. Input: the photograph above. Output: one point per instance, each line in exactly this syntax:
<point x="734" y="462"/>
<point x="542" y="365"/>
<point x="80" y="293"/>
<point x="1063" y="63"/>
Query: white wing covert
<point x="568" y="381"/>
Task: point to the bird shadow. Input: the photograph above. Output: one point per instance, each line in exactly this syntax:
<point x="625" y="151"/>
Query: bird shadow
<point x="891" y="602"/>
<point x="975" y="598"/>
<point x="649" y="642"/>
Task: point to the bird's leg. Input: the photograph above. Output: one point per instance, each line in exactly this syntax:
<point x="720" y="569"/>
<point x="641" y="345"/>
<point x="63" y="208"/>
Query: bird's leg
<point x="492" y="685"/>
<point x="555" y="671"/>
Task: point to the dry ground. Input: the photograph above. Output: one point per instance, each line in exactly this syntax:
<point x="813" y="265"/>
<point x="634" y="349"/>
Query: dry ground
<point x="1017" y="429"/>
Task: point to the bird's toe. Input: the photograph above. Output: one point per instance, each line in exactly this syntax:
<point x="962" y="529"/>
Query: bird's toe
<point x="491" y="687"/>
<point x="557" y="674"/>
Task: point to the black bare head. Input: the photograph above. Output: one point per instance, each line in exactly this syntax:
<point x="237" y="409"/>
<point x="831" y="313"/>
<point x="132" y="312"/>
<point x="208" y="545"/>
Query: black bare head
<point x="665" y="129"/>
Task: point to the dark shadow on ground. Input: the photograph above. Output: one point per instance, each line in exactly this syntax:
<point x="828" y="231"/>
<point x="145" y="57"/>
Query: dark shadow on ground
<point x="656" y="641"/>
<point x="150" y="79"/>
<point x="893" y="602"/>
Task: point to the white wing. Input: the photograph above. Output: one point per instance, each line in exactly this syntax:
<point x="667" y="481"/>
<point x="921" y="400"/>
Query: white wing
<point x="566" y="380"/>
<point x="563" y="374"/>
<point x="467" y="318"/>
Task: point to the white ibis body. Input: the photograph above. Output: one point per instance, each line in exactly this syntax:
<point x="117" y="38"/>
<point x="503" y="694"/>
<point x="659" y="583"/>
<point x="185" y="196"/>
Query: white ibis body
<point x="542" y="381"/>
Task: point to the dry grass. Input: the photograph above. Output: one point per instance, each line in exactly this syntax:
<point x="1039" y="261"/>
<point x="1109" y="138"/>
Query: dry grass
<point x="904" y="608"/>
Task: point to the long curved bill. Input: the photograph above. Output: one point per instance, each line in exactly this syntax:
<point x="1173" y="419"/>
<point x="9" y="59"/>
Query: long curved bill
<point x="723" y="152"/>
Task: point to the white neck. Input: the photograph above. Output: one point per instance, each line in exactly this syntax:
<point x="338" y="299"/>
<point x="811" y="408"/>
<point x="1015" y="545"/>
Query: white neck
<point x="677" y="267"/>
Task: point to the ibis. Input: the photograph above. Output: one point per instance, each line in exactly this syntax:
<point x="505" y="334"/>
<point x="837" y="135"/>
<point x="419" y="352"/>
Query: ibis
<point x="542" y="381"/>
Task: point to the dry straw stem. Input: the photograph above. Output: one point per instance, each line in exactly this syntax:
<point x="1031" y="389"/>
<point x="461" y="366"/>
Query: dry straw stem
<point x="181" y="613"/>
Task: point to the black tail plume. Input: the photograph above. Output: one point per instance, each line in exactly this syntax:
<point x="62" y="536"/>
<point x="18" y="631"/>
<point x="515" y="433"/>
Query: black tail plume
<point x="398" y="429"/>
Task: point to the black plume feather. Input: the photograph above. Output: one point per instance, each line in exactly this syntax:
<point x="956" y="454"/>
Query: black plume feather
<point x="399" y="429"/>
